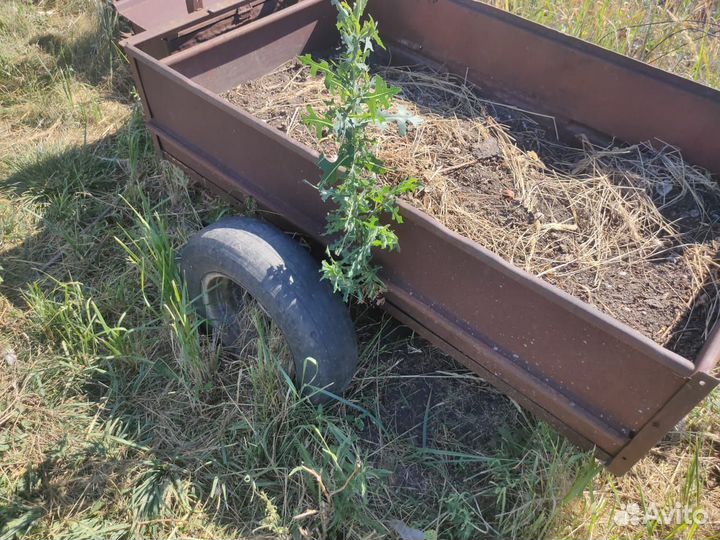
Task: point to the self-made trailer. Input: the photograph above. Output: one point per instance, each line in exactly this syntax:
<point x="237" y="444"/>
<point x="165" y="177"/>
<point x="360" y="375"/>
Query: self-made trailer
<point x="598" y="381"/>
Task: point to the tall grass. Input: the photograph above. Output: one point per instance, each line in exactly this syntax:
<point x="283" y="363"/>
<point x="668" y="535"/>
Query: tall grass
<point x="151" y="251"/>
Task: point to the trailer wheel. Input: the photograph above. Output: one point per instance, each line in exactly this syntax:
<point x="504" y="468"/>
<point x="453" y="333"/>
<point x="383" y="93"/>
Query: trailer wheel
<point x="239" y="256"/>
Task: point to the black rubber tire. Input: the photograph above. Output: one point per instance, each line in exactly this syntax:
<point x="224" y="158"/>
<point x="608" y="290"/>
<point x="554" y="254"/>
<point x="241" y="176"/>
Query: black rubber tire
<point x="285" y="280"/>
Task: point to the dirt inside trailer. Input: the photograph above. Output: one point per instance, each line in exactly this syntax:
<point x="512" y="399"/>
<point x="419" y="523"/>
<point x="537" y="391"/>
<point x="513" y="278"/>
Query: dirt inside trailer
<point x="632" y="230"/>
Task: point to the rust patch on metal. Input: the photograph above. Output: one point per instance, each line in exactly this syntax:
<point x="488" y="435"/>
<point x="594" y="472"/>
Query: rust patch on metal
<point x="147" y="14"/>
<point x="201" y="25"/>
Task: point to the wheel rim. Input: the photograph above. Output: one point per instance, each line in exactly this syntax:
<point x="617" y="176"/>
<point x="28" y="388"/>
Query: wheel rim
<point x="240" y="319"/>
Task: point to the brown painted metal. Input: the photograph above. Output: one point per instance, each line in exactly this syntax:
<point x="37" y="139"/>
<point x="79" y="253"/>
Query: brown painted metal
<point x="147" y="14"/>
<point x="587" y="88"/>
<point x="191" y="29"/>
<point x="239" y="56"/>
<point x="685" y="400"/>
<point x="193" y="5"/>
<point x="601" y="382"/>
<point x="709" y="356"/>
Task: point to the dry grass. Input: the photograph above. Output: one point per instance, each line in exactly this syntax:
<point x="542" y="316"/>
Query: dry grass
<point x="103" y="433"/>
<point x="592" y="217"/>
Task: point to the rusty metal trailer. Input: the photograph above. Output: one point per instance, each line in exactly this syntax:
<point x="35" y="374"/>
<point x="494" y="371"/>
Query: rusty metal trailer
<point x="601" y="383"/>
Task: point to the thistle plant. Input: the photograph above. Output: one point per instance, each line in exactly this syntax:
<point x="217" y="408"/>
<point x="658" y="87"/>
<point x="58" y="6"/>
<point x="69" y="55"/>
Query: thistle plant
<point x="365" y="208"/>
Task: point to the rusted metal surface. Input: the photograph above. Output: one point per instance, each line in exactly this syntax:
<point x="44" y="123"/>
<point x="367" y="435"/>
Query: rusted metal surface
<point x="193" y="5"/>
<point x="602" y="383"/>
<point x="241" y="56"/>
<point x="220" y="22"/>
<point x="147" y="14"/>
<point x="199" y="26"/>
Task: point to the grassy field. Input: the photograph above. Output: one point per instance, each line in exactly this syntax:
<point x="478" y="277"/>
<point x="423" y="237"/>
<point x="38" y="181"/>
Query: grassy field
<point x="119" y="419"/>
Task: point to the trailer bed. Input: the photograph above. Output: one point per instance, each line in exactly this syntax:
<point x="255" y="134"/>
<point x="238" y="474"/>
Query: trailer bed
<point x="646" y="258"/>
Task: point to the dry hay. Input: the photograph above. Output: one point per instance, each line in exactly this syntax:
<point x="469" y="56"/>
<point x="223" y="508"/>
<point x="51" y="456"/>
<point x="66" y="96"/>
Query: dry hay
<point x="628" y="228"/>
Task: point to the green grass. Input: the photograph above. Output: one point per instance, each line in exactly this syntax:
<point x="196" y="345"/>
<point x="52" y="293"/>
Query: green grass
<point x="120" y="419"/>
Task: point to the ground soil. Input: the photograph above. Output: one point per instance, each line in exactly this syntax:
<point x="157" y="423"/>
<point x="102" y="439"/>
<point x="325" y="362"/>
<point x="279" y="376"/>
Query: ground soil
<point x="662" y="293"/>
<point x="426" y="399"/>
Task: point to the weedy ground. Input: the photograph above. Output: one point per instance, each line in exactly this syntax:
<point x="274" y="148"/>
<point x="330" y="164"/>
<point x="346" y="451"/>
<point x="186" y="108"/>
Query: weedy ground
<point x="120" y="419"/>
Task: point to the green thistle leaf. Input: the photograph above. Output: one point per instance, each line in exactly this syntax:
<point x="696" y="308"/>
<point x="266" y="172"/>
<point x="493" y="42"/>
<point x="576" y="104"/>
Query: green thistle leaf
<point x="351" y="181"/>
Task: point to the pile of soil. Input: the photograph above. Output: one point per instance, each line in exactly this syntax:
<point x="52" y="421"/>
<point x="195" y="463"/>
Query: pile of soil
<point x="632" y="230"/>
